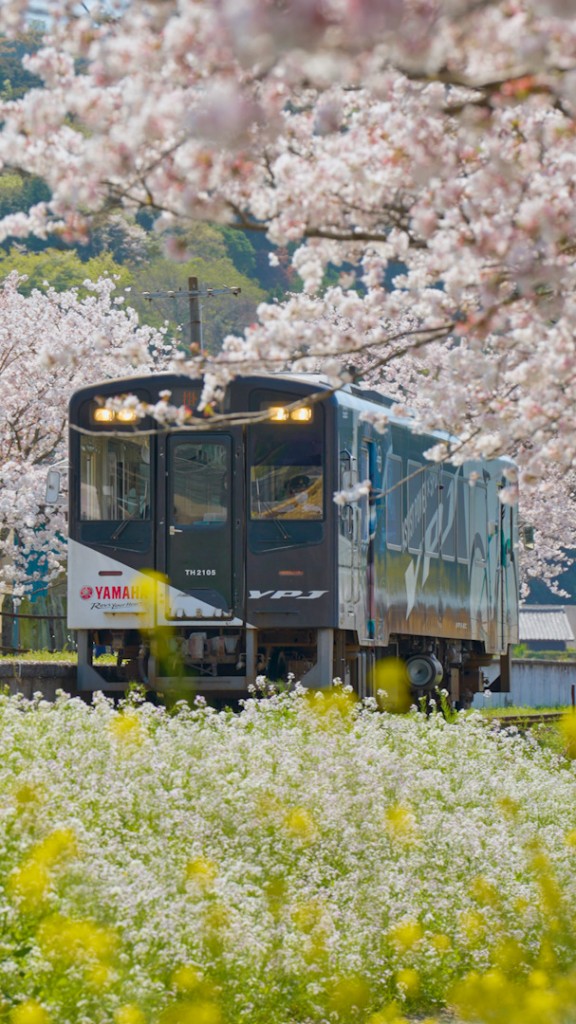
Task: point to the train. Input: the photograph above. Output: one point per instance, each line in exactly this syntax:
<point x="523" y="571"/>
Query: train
<point x="212" y="553"/>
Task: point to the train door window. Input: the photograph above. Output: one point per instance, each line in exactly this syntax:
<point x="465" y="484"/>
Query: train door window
<point x="462" y="519"/>
<point x="479" y="522"/>
<point x="448" y="538"/>
<point x="393" y="497"/>
<point x="199" y="482"/>
<point x="432" y="511"/>
<point x="364" y="501"/>
<point x="114" y="478"/>
<point x="415" y="511"/>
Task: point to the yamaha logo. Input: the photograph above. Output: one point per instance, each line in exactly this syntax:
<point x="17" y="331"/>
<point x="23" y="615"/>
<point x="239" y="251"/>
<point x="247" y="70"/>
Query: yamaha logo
<point x="86" y="593"/>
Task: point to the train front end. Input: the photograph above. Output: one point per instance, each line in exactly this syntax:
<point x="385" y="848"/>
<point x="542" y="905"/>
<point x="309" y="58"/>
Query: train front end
<point x="200" y="557"/>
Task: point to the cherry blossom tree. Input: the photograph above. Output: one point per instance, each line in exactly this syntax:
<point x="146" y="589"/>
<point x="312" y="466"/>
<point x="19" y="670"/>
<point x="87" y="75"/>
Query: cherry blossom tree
<point x="423" y="151"/>
<point x="51" y="344"/>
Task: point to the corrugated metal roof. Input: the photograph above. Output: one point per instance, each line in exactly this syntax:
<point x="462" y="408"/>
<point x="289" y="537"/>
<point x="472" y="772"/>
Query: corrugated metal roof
<point x="541" y="622"/>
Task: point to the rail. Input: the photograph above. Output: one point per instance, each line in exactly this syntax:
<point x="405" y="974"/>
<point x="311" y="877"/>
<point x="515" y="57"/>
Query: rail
<point x="527" y="720"/>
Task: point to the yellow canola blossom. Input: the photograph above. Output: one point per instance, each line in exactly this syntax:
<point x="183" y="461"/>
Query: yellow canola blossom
<point x="69" y="942"/>
<point x="300" y="824"/>
<point x="408" y="980"/>
<point x="389" y="1014"/>
<point x="26" y="794"/>
<point x="568" y="734"/>
<point x="191" y="1012"/>
<point x="127" y="728"/>
<point x="485" y="892"/>
<point x="129" y="1014"/>
<point x="405" y="935"/>
<point x="29" y="1012"/>
<point x="332" y="707"/>
<point x="391" y="685"/>
<point x="401" y="824"/>
<point x="504" y="1001"/>
<point x="350" y="993"/>
<point x="186" y="978"/>
<point x="473" y="925"/>
<point x="202" y="872"/>
<point x="571" y="838"/>
<point x="30" y="882"/>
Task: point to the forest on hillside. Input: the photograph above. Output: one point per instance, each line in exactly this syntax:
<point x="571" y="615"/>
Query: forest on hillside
<point x="132" y="252"/>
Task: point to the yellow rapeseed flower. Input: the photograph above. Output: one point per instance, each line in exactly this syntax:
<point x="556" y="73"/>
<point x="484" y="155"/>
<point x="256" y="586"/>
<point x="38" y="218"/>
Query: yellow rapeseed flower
<point x="391" y="684"/>
<point x="406" y="934"/>
<point x="129" y="1014"/>
<point x="348" y="993"/>
<point x="127" y="728"/>
<point x="473" y="925"/>
<point x="30" y="883"/>
<point x="300" y="824"/>
<point x="308" y="916"/>
<point x="509" y="955"/>
<point x="510" y="808"/>
<point x="26" y="794"/>
<point x="568" y="734"/>
<point x="189" y="1012"/>
<point x="408" y="979"/>
<point x="389" y="1014"/>
<point x="484" y="892"/>
<point x="76" y="941"/>
<point x="332" y="707"/>
<point x="201" y="872"/>
<point x="186" y="978"/>
<point x="60" y="844"/>
<point x="29" y="1012"/>
<point x="400" y="823"/>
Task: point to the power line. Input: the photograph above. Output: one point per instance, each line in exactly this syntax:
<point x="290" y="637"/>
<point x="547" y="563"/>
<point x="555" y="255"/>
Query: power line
<point x="194" y="292"/>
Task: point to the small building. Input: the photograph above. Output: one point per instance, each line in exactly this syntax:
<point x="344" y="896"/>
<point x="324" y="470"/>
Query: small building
<point x="548" y="627"/>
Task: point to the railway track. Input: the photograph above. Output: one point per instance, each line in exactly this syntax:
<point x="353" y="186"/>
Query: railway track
<point x="528" y="720"/>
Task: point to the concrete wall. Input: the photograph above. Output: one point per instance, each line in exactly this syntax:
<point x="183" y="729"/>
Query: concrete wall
<point x="30" y="677"/>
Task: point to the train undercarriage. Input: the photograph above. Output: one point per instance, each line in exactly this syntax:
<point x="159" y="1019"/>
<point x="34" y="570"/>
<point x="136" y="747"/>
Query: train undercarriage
<point x="217" y="662"/>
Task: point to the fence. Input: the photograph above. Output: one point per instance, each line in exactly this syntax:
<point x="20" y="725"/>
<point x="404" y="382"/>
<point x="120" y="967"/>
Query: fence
<point x="36" y="625"/>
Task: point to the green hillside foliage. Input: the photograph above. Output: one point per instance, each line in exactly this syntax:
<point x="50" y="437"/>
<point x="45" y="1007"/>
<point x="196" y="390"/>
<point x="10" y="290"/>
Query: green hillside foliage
<point x="61" y="269"/>
<point x="14" y="79"/>
<point x="131" y="250"/>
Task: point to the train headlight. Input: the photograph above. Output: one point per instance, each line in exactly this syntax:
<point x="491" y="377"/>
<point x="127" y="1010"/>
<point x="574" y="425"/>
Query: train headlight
<point x="302" y="415"/>
<point x="103" y="415"/>
<point x="126" y="416"/>
<point x="282" y="414"/>
<point x="278" y="413"/>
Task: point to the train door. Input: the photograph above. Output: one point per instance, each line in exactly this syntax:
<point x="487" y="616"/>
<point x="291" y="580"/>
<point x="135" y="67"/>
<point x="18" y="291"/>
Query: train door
<point x="508" y="589"/>
<point x="480" y="590"/>
<point x="367" y="534"/>
<point x="202" y="543"/>
<point x="346" y="531"/>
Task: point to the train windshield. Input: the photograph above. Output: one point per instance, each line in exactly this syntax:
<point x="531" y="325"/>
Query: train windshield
<point x="286" y="478"/>
<point x="114" y="478"/>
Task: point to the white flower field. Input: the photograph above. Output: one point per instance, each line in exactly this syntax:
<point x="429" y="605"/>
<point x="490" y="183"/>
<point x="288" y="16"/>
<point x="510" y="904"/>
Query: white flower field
<point x="306" y="860"/>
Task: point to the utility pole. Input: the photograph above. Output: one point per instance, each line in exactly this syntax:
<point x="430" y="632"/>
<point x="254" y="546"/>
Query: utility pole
<point x="196" y="340"/>
<point x="195" y="292"/>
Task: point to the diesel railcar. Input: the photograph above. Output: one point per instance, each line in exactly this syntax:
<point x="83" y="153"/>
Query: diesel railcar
<point x="214" y="553"/>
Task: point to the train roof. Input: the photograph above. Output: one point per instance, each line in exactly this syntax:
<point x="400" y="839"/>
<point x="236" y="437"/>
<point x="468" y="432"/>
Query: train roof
<point x="356" y="392"/>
